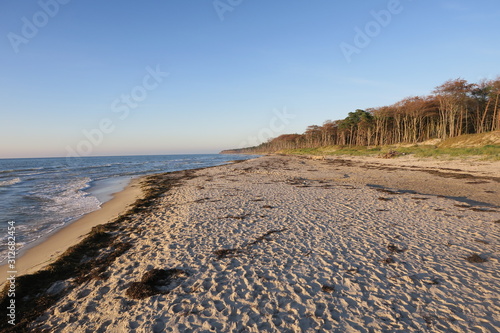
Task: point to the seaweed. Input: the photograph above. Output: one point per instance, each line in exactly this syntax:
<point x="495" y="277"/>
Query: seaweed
<point x="476" y="259"/>
<point x="153" y="283"/>
<point x="86" y="260"/>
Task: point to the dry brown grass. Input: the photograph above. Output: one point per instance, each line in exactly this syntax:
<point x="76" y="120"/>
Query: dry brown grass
<point x="472" y="140"/>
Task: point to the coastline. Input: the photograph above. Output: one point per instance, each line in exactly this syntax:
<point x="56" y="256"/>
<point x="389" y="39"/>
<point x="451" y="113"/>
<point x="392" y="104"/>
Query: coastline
<point x="47" y="250"/>
<point x="286" y="242"/>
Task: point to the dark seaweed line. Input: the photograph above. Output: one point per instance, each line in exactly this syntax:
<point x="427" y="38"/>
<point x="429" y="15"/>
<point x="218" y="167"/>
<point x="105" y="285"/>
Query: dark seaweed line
<point x="87" y="260"/>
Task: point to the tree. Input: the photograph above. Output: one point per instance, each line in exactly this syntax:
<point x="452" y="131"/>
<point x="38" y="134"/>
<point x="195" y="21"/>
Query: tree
<point x="453" y="97"/>
<point x="456" y="107"/>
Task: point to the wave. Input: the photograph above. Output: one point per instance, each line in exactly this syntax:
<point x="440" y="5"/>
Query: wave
<point x="10" y="181"/>
<point x="21" y="170"/>
<point x="33" y="173"/>
<point x="92" y="167"/>
<point x="69" y="199"/>
<point x="56" y="194"/>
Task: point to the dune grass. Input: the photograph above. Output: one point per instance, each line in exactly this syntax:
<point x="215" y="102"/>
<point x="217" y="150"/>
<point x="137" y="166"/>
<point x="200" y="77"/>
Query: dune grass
<point x="488" y="152"/>
<point x="335" y="150"/>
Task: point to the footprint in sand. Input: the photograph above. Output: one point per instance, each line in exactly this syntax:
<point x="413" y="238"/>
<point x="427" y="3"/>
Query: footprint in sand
<point x="83" y="293"/>
<point x="103" y="291"/>
<point x="91" y="307"/>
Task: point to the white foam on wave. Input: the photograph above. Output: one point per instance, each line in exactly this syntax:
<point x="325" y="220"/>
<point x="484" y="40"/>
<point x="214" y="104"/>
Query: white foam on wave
<point x="21" y="170"/>
<point x="10" y="181"/>
<point x="70" y="200"/>
<point x="61" y="204"/>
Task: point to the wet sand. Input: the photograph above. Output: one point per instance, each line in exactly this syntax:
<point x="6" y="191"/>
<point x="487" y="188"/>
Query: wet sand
<point x="47" y="250"/>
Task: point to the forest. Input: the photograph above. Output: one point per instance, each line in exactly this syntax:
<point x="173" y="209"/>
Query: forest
<point x="454" y="108"/>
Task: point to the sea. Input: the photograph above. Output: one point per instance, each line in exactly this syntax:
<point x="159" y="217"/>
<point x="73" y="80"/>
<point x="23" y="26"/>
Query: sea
<point x="41" y="195"/>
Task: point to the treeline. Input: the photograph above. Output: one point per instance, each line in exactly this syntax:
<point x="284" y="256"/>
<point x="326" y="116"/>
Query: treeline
<point x="454" y="108"/>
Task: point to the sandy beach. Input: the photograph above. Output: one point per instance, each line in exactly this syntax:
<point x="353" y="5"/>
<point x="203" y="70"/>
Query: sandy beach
<point x="44" y="252"/>
<point x="295" y="244"/>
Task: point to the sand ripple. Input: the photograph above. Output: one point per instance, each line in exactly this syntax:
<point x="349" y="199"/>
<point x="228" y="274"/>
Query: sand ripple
<point x="303" y="250"/>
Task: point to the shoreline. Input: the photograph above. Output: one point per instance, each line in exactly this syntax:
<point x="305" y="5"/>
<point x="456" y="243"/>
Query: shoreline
<point x="285" y="242"/>
<point x="46" y="250"/>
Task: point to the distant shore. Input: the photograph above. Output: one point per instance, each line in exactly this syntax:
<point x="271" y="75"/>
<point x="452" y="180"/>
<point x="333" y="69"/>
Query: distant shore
<point x="297" y="243"/>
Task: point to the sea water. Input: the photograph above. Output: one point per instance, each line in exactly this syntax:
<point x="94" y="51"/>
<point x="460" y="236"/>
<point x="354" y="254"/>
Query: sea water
<point x="42" y="195"/>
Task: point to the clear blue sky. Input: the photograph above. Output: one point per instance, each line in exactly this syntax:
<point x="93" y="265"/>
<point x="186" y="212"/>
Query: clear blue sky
<point x="227" y="77"/>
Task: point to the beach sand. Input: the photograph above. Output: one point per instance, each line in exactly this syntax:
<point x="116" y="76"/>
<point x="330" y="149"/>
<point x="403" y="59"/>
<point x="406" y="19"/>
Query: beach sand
<point x="47" y="250"/>
<point x="292" y="244"/>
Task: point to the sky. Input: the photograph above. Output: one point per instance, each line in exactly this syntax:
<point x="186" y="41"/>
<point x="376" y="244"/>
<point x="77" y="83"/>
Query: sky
<point x="82" y="78"/>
